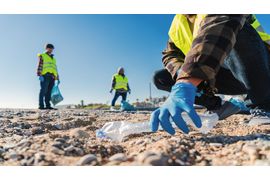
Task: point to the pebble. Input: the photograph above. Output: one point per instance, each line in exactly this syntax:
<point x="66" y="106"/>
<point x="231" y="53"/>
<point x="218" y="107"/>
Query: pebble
<point x="57" y="151"/>
<point x="216" y="144"/>
<point x="118" y="157"/>
<point x="77" y="133"/>
<point x="87" y="160"/>
<point x="37" y="130"/>
<point x="156" y="161"/>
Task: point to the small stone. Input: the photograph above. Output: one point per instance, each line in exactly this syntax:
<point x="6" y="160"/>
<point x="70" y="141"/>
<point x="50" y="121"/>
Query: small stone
<point x="69" y="148"/>
<point x="62" y="140"/>
<point x="58" y="151"/>
<point x="37" y="130"/>
<point x="13" y="155"/>
<point x="118" y="157"/>
<point x="77" y="133"/>
<point x="57" y="144"/>
<point x="216" y="144"/>
<point x="87" y="159"/>
<point x="141" y="157"/>
<point x="156" y="161"/>
<point x="58" y="126"/>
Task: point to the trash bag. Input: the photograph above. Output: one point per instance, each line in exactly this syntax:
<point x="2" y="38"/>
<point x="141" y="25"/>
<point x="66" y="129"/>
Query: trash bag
<point x="125" y="106"/>
<point x="56" y="96"/>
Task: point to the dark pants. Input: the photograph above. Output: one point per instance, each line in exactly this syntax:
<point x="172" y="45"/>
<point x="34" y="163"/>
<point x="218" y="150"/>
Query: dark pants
<point x="245" y="71"/>
<point x="117" y="95"/>
<point x="45" y="90"/>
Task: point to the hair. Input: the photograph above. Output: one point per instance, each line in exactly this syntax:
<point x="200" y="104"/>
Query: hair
<point x="49" y="46"/>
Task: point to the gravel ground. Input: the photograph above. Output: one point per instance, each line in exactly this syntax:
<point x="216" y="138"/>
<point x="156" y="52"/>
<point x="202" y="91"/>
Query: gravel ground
<point x="67" y="137"/>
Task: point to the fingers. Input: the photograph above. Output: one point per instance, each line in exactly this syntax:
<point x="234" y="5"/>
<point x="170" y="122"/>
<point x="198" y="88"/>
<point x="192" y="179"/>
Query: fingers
<point x="164" y="118"/>
<point x="179" y="121"/>
<point x="154" y="121"/>
<point x="192" y="114"/>
<point x="195" y="118"/>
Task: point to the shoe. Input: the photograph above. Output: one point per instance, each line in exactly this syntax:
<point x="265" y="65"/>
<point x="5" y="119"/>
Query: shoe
<point x="41" y="108"/>
<point x="226" y="110"/>
<point x="259" y="117"/>
<point x="113" y="109"/>
<point x="50" y="108"/>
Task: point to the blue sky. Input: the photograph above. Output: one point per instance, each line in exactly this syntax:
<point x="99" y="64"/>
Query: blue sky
<point x="89" y="49"/>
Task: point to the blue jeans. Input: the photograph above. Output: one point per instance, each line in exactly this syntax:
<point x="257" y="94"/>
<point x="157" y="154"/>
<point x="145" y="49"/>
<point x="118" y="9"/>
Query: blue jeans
<point x="117" y="95"/>
<point x="45" y="90"/>
<point x="245" y="71"/>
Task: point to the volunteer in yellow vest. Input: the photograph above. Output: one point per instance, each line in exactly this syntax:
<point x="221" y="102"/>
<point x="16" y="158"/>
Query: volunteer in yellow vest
<point x="120" y="86"/>
<point x="208" y="54"/>
<point x="48" y="75"/>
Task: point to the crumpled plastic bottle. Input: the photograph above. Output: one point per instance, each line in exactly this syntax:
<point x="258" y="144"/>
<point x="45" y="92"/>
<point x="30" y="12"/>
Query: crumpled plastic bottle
<point x="118" y="130"/>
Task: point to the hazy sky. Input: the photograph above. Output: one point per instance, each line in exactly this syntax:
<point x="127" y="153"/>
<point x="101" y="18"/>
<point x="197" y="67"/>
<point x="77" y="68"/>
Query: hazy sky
<point x="88" y="49"/>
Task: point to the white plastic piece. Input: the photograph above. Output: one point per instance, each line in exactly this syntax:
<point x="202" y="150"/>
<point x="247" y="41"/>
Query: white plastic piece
<point x="118" y="130"/>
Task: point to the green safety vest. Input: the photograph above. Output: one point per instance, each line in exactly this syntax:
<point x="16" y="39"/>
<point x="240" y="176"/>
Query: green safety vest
<point x="120" y="82"/>
<point x="182" y="36"/>
<point x="49" y="65"/>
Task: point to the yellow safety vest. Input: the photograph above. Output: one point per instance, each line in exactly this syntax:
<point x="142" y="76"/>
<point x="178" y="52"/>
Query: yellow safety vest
<point x="182" y="36"/>
<point x="49" y="65"/>
<point x="258" y="27"/>
<point x="120" y="82"/>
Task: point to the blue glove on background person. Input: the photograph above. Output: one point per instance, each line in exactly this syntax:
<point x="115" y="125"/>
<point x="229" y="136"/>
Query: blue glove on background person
<point x="181" y="99"/>
<point x="41" y="78"/>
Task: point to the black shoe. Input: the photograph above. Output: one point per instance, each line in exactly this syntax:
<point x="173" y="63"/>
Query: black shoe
<point x="226" y="110"/>
<point x="41" y="108"/>
<point x="51" y="108"/>
<point x="259" y="117"/>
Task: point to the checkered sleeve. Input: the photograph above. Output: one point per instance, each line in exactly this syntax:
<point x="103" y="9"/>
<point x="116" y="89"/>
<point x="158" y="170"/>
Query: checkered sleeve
<point x="216" y="38"/>
<point x="173" y="58"/>
<point x="40" y="66"/>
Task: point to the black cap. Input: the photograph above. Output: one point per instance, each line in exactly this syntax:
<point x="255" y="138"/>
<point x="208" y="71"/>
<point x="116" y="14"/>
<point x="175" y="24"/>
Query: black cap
<point x="49" y="46"/>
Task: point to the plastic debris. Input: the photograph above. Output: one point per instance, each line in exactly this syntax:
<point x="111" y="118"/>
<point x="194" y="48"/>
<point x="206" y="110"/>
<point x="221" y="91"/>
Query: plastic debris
<point x="118" y="130"/>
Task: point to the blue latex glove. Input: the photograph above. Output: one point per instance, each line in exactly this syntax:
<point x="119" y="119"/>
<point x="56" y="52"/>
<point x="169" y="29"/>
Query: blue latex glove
<point x="181" y="100"/>
<point x="41" y="78"/>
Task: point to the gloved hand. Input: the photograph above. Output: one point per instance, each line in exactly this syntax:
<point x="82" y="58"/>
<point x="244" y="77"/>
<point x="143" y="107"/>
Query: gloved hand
<point x="111" y="90"/>
<point x="41" y="78"/>
<point x="129" y="91"/>
<point x="181" y="99"/>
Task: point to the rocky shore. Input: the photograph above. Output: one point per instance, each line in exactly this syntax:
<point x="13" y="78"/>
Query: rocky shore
<point x="68" y="137"/>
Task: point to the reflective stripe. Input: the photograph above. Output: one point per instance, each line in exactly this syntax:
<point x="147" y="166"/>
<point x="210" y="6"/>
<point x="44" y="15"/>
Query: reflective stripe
<point x="258" y="27"/>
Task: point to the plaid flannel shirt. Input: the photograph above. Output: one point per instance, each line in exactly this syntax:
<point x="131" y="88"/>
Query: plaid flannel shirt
<point x="216" y="38"/>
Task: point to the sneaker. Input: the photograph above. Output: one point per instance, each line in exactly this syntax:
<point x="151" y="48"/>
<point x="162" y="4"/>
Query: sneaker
<point x="259" y="117"/>
<point x="113" y="109"/>
<point x="226" y="110"/>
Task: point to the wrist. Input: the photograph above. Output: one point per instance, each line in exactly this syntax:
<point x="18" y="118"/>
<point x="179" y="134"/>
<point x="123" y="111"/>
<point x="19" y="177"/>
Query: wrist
<point x="194" y="81"/>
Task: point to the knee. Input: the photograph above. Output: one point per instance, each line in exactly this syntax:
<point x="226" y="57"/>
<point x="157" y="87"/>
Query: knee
<point x="163" y="80"/>
<point x="157" y="79"/>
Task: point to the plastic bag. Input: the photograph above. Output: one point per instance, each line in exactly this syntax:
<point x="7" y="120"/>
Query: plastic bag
<point x="125" y="106"/>
<point x="118" y="130"/>
<point x="56" y="96"/>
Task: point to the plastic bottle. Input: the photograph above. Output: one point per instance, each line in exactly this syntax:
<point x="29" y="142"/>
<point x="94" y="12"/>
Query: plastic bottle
<point x="118" y="130"/>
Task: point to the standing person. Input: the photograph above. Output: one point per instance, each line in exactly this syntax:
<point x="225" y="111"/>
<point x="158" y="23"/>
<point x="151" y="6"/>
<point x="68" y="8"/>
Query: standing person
<point x="48" y="74"/>
<point x="120" y="85"/>
<point x="208" y="54"/>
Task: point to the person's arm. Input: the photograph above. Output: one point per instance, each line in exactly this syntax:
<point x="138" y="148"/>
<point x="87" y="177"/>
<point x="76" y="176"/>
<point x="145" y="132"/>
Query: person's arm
<point x="173" y="58"/>
<point x="113" y="83"/>
<point x="40" y="66"/>
<point x="214" y="41"/>
<point x="128" y="87"/>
